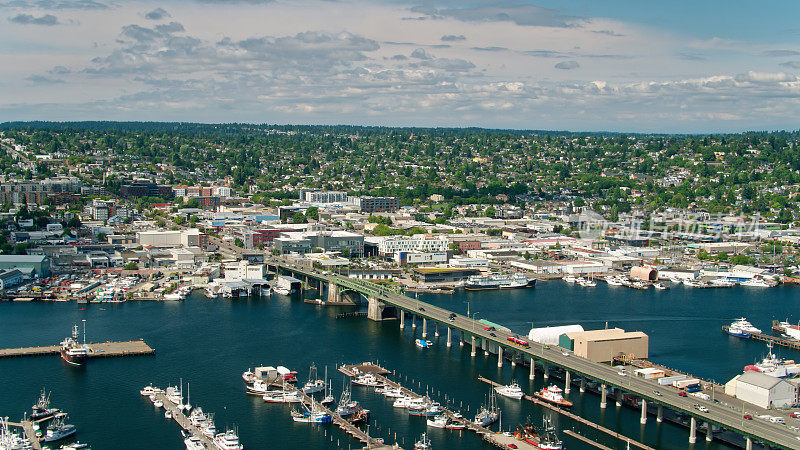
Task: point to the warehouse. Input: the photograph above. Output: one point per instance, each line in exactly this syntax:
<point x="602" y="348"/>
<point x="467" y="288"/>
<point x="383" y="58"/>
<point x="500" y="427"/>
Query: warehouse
<point x="550" y="335"/>
<point x="762" y="390"/>
<point x="39" y="265"/>
<point x="604" y="345"/>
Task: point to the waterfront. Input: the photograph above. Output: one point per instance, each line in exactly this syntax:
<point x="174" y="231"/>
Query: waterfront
<point x="210" y="343"/>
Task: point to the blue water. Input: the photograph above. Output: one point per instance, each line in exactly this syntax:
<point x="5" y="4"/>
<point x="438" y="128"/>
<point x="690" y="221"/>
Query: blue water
<point x="209" y="343"/>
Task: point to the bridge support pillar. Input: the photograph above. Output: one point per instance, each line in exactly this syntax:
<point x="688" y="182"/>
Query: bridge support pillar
<point x="546" y="370"/>
<point x="693" y="431"/>
<point x="413" y="321"/>
<point x="402" y="319"/>
<point x="660" y="414"/>
<point x="532" y="373"/>
<point x="436" y="329"/>
<point x="499" y="356"/>
<point x="603" y="395"/>
<point x="333" y="293"/>
<point x="461" y="339"/>
<point x="583" y="385"/>
<point x="709" y="434"/>
<point x="375" y="309"/>
<point x="449" y="337"/>
<point x="472" y="350"/>
<point x="566" y="382"/>
<point x="748" y="445"/>
<point x="513" y="359"/>
<point x="619" y="398"/>
<point x="643" y="418"/>
<point x="424" y="328"/>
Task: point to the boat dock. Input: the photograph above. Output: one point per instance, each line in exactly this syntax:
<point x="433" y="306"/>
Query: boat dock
<point x="98" y="350"/>
<point x="345" y="425"/>
<point x="497" y="439"/>
<point x="630" y="442"/>
<point x="184" y="422"/>
<point x="583" y="438"/>
<point x="27" y="427"/>
<point x="783" y="342"/>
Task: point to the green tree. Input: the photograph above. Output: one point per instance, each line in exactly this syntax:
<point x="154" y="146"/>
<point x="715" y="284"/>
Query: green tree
<point x="132" y="265"/>
<point x="238" y="242"/>
<point x="490" y="212"/>
<point x="312" y="213"/>
<point x="299" y="217"/>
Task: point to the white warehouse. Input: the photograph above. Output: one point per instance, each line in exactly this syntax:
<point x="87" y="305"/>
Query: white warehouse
<point x="762" y="390"/>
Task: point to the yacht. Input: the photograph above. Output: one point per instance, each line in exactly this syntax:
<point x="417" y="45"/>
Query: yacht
<point x="498" y="281"/>
<point x="427" y="410"/>
<point x="614" y="281"/>
<point x="660" y="286"/>
<point x="366" y="379"/>
<point x="512" y="391"/>
<point x="74" y="446"/>
<point x="396" y="392"/>
<point x="193" y="443"/>
<point x="282" y="397"/>
<point x="423" y="443"/>
<point x="734" y="330"/>
<point x="173" y="394"/>
<point x="744" y="325"/>
<point x="228" y="440"/>
<point x="71" y="351"/>
<point x="586" y="282"/>
<point x="149" y="390"/>
<point x="569" y="278"/>
<point x="755" y="282"/>
<point x="58" y="430"/>
<point x="402" y="402"/>
<point x="442" y="421"/>
<point x="720" y="282"/>
<point x="42" y="410"/>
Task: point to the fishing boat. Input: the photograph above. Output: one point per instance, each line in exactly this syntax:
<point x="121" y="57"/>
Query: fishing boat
<point x="347" y="406"/>
<point x="488" y="415"/>
<point x="547" y="439"/>
<point x="58" y="430"/>
<point x="42" y="410"/>
<point x="315" y="414"/>
<point x="313" y="385"/>
<point x="511" y="391"/>
<point x="442" y="421"/>
<point x="423" y="443"/>
<point x="427" y="409"/>
<point x="71" y="351"/>
<point x="553" y="395"/>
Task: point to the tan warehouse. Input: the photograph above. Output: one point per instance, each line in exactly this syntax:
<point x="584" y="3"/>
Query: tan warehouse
<point x="604" y="345"/>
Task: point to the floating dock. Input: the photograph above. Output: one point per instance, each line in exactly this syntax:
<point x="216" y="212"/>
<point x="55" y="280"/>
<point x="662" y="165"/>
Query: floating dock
<point x="630" y="442"/>
<point x="790" y="343"/>
<point x="184" y="422"/>
<point x="98" y="350"/>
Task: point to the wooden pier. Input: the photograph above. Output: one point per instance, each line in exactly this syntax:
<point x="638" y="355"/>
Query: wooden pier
<point x="98" y="350"/>
<point x="630" y="442"/>
<point x="184" y="422"/>
<point x="30" y="434"/>
<point x="790" y="343"/>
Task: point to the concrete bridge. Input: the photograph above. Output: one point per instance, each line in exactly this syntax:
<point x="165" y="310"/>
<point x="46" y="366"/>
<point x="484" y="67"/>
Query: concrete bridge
<point x="390" y="303"/>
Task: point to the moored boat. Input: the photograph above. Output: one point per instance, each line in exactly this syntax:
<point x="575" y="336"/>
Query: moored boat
<point x="511" y="391"/>
<point x="553" y="395"/>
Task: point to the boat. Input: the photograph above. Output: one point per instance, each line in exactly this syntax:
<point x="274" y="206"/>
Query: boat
<point x="168" y="414"/>
<point x="614" y="281"/>
<point x="755" y="282"/>
<point x="660" y="286"/>
<point x="553" y="395"/>
<point x="788" y="330"/>
<point x="173" y="394"/>
<point x="585" y="282"/>
<point x="745" y="326"/>
<point x="488" y="415"/>
<point x="315" y="414"/>
<point x="207" y="426"/>
<point x="58" y="430"/>
<point x="347" y="406"/>
<point x="427" y="409"/>
<point x="366" y="379"/>
<point x="259" y="387"/>
<point x="229" y="440"/>
<point x="423" y="443"/>
<point x="71" y="351"/>
<point x="286" y="285"/>
<point x="193" y="443"/>
<point x="775" y="367"/>
<point x="694" y="283"/>
<point x="290" y="376"/>
<point x="403" y="402"/>
<point x="547" y="439"/>
<point x="42" y="410"/>
<point x="442" y="421"/>
<point x="421" y="343"/>
<point x="498" y="281"/>
<point x="395" y="392"/>
<point x="282" y="397"/>
<point x="313" y="385"/>
<point x="360" y="416"/>
<point x="10" y="440"/>
<point x="737" y="331"/>
<point x="158" y="403"/>
<point x="149" y="390"/>
<point x="511" y="391"/>
<point x="74" y="446"/>
<point x="569" y="278"/>
<point x="720" y="283"/>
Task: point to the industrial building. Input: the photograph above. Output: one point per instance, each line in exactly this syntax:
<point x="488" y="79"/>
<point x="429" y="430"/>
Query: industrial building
<point x="550" y="335"/>
<point x="604" y="345"/>
<point x="443" y="274"/>
<point x="36" y="265"/>
<point x="644" y="273"/>
<point x="762" y="390"/>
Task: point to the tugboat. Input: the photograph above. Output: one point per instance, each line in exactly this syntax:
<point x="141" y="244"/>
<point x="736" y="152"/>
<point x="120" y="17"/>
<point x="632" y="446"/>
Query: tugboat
<point x="552" y="395"/>
<point x="546" y="440"/>
<point x="71" y="351"/>
<point x="59" y="430"/>
<point x="42" y="410"/>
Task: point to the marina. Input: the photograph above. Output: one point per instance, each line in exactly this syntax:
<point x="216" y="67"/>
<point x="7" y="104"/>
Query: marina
<point x="783" y="342"/>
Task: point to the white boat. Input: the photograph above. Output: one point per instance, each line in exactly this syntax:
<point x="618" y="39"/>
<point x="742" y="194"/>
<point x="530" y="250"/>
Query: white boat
<point x="313" y="385"/>
<point x="423" y="443"/>
<point x="366" y="379"/>
<point x="168" y="414"/>
<point x="395" y="392"/>
<point x="149" y="390"/>
<point x="10" y="440"/>
<point x="569" y="278"/>
<point x="315" y="414"/>
<point x="402" y="402"/>
<point x="755" y="282"/>
<point x="488" y="415"/>
<point x="173" y="394"/>
<point x="228" y="440"/>
<point x="193" y="443"/>
<point x="158" y="403"/>
<point x="498" y="281"/>
<point x="259" y="387"/>
<point x="720" y="282"/>
<point x="742" y="324"/>
<point x="660" y="286"/>
<point x="282" y="397"/>
<point x="614" y="281"/>
<point x="511" y="391"/>
<point x="421" y="343"/>
<point x="585" y="282"/>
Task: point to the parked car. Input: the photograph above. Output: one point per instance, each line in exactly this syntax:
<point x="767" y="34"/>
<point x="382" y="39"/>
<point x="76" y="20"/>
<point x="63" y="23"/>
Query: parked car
<point x="682" y="394"/>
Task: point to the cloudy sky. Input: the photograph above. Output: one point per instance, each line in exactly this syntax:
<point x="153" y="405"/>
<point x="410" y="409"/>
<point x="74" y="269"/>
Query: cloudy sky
<point x="567" y="65"/>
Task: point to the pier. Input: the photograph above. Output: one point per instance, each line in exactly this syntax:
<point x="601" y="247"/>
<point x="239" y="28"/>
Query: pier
<point x="630" y="442"/>
<point x="98" y="350"/>
<point x="184" y="422"/>
<point x="783" y="342"/>
<point x="30" y="434"/>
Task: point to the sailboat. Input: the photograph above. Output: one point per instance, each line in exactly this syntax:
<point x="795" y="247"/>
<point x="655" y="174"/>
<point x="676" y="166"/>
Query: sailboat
<point x="180" y="404"/>
<point x="329" y="392"/>
<point x="187" y="406"/>
<point x="487" y="416"/>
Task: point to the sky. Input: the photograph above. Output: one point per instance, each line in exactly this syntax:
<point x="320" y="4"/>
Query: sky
<point x="614" y="65"/>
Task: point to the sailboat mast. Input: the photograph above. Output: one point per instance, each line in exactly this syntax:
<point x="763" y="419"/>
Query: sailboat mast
<point x="84" y="331"/>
